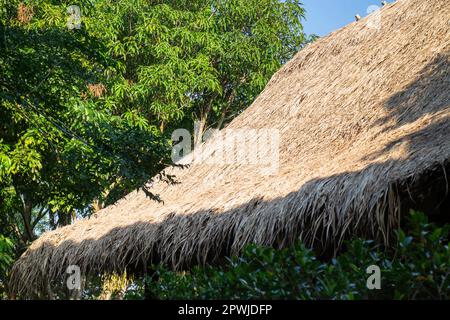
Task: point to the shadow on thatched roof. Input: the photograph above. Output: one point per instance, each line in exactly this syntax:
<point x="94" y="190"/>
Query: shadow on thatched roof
<point x="364" y="123"/>
<point x="136" y="246"/>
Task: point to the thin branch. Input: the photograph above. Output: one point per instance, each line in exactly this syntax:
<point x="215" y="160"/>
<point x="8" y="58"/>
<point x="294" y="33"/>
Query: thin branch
<point x="39" y="217"/>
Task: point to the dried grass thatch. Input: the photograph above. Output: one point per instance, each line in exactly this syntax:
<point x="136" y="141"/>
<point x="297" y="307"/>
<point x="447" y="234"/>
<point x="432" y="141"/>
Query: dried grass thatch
<point x="363" y="116"/>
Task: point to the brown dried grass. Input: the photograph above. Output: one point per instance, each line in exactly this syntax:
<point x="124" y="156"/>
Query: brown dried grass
<point x="363" y="115"/>
<point x="24" y="13"/>
<point x="97" y="89"/>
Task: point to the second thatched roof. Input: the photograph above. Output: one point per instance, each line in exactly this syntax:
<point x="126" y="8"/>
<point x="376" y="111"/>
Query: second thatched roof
<point x="362" y="121"/>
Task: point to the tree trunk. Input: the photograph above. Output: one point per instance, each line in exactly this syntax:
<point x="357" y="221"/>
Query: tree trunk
<point x="222" y="119"/>
<point x="52" y="221"/>
<point x="97" y="205"/>
<point x="225" y="110"/>
<point x="200" y="126"/>
<point x="26" y="216"/>
<point x="64" y="218"/>
<point x="199" y="130"/>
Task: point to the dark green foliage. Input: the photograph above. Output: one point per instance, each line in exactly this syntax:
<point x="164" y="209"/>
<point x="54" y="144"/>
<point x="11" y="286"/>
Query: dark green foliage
<point x="6" y="260"/>
<point x="83" y="111"/>
<point x="86" y="113"/>
<point x="416" y="267"/>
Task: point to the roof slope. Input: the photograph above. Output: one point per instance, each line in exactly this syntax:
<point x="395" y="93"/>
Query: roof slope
<point x="361" y="114"/>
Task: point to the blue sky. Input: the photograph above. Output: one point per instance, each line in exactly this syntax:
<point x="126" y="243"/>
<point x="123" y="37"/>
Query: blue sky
<point x="325" y="16"/>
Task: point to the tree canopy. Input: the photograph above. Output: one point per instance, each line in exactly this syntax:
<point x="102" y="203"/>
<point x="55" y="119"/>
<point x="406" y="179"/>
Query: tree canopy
<point x="90" y="92"/>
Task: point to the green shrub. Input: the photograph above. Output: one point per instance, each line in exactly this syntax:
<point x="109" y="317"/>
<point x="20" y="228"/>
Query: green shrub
<point x="416" y="267"/>
<point x="6" y="260"/>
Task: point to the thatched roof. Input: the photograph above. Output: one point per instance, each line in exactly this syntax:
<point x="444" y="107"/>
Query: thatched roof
<point x="364" y="133"/>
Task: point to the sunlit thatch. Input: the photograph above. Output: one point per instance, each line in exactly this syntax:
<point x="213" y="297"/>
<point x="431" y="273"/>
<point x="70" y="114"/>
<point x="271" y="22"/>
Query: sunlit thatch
<point x="363" y="120"/>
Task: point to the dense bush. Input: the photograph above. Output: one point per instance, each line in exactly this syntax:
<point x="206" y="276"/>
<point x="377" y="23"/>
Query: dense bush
<point x="6" y="260"/>
<point x="416" y="267"/>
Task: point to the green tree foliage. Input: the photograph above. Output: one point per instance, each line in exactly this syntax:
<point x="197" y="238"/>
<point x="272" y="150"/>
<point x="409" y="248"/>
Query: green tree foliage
<point x="61" y="144"/>
<point x="86" y="111"/>
<point x="82" y="108"/>
<point x="181" y="61"/>
<point x="6" y="259"/>
<point x="416" y="267"/>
